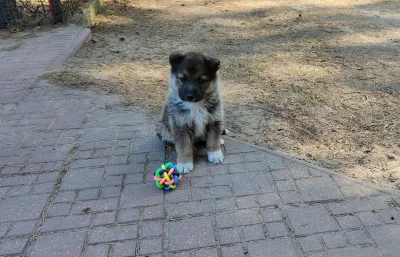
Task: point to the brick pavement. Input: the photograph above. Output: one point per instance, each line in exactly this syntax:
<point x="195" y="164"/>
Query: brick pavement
<point x="76" y="180"/>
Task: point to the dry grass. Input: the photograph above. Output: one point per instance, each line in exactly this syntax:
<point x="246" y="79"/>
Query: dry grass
<point x="314" y="79"/>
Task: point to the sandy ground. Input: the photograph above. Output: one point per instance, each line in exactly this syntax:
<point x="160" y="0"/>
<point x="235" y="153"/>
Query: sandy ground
<point x="318" y="80"/>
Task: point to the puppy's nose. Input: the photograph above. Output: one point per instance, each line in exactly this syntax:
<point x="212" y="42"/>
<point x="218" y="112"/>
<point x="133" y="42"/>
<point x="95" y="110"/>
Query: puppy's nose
<point x="189" y="97"/>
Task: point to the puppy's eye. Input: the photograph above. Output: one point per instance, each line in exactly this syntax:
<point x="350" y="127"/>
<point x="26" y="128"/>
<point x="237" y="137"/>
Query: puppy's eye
<point x="181" y="79"/>
<point x="202" y="81"/>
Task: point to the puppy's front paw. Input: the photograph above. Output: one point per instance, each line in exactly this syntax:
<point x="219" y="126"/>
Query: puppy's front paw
<point x="221" y="141"/>
<point x="215" y="157"/>
<point x="185" y="167"/>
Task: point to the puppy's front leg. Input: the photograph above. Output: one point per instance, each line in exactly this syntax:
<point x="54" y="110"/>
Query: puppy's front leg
<point x="184" y="149"/>
<point x="213" y="142"/>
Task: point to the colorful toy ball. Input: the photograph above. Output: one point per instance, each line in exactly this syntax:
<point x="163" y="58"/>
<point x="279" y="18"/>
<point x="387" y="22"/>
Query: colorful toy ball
<point x="167" y="176"/>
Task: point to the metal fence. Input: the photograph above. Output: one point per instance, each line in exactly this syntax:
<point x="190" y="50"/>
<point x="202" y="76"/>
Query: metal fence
<point x="36" y="12"/>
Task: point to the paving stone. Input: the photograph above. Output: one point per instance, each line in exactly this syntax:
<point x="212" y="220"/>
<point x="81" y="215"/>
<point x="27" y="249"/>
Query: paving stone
<point x="271" y="199"/>
<point x="128" y="215"/>
<point x="228" y="236"/>
<point x="240" y="218"/>
<point x="104" y="218"/>
<point x="211" y="193"/>
<point x="10" y="170"/>
<point x="257" y="166"/>
<point x="101" y="205"/>
<point x="190" y="233"/>
<point x="318" y="254"/>
<point x="356" y="252"/>
<point x="276" y="229"/>
<point x="389" y="216"/>
<point x="151" y="229"/>
<point x="246" y="202"/>
<point x="358" y="237"/>
<point x="281" y="175"/>
<point x="350" y="206"/>
<point x="232" y="251"/>
<point x="144" y="196"/>
<point x="298" y="171"/>
<point x="82" y="178"/>
<point x="65" y="197"/>
<point x="219" y="180"/>
<point x="18" y="180"/>
<point x="48" y="177"/>
<point x="59" y="209"/>
<point x="113" y="181"/>
<point x="4" y="229"/>
<point x="348" y="221"/>
<point x="68" y="222"/>
<point x="225" y="204"/>
<point x="180" y="254"/>
<point x="219" y="169"/>
<point x="13" y="246"/>
<point x="122" y="249"/>
<point x="237" y="168"/>
<point x="285" y="185"/>
<point x="100" y="250"/>
<point x="233" y="158"/>
<point x="19" y="190"/>
<point x="250" y="183"/>
<point x="22" y="228"/>
<point x="318" y="189"/>
<point x="351" y="192"/>
<point x="13" y="160"/>
<point x="43" y="188"/>
<point x="88" y="194"/>
<point x="311" y="219"/>
<point x="22" y="207"/>
<point x="190" y="208"/>
<point x="381" y="202"/>
<point x="210" y="252"/>
<point x="277" y="248"/>
<point x="110" y="192"/>
<point x="109" y="234"/>
<point x="311" y="243"/>
<point x="385" y="237"/>
<point x="86" y="154"/>
<point x="64" y="244"/>
<point x="334" y="240"/>
<point x="254" y="232"/>
<point x="271" y="215"/>
<point x="145" y="145"/>
<point x="86" y="163"/>
<point x="99" y="134"/>
<point x="50" y="153"/>
<point x="148" y="246"/>
<point x="153" y="212"/>
<point x="290" y="197"/>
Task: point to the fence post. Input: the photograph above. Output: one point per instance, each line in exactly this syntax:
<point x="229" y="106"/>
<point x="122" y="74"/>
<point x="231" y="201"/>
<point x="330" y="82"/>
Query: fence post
<point x="56" y="11"/>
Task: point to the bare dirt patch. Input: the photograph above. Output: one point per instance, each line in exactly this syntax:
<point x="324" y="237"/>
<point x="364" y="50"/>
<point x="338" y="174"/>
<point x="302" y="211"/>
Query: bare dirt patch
<point x="318" y="80"/>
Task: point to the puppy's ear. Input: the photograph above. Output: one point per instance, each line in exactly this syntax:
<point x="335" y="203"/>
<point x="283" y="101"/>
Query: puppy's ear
<point x="175" y="59"/>
<point x="213" y="63"/>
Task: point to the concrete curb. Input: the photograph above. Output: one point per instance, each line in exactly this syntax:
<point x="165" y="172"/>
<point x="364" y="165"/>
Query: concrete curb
<point x="86" y="19"/>
<point x="82" y="36"/>
<point x="313" y="166"/>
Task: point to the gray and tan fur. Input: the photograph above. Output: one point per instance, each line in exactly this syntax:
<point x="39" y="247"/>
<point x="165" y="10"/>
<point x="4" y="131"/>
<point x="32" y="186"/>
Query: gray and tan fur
<point x="193" y="110"/>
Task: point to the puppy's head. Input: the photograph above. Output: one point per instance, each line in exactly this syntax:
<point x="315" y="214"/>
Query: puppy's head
<point x="193" y="74"/>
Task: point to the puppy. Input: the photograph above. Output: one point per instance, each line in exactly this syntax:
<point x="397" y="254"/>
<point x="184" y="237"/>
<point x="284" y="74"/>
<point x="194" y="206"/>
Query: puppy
<point x="193" y="110"/>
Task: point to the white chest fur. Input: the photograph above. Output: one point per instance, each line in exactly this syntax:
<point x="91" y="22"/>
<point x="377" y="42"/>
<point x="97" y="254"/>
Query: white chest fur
<point x="198" y="115"/>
